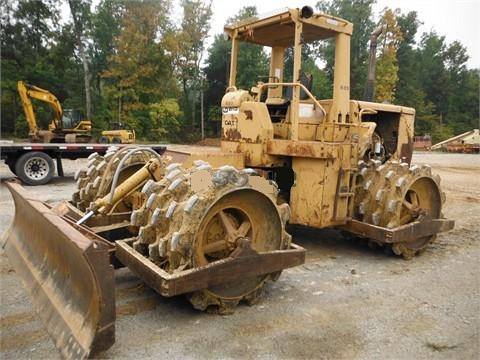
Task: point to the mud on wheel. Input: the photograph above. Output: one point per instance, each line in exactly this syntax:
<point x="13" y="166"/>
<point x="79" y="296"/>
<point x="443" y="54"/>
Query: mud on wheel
<point x="96" y="180"/>
<point x="197" y="216"/>
<point x="394" y="194"/>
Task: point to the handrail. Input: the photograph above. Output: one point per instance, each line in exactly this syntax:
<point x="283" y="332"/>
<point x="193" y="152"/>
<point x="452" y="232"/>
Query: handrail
<point x="366" y="111"/>
<point x="303" y="87"/>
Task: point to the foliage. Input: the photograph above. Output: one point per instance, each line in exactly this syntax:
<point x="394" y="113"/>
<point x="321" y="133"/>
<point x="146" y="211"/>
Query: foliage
<point x="140" y="71"/>
<point x="434" y="80"/>
<point x="321" y="87"/>
<point x="216" y="71"/>
<point x="81" y="16"/>
<point x="441" y="132"/>
<point x="165" y="119"/>
<point x="188" y="44"/>
<point x="21" y="127"/>
<point x="387" y="66"/>
<point x="251" y="63"/>
<point x="358" y="12"/>
<point x="148" y="71"/>
<point x="28" y="30"/>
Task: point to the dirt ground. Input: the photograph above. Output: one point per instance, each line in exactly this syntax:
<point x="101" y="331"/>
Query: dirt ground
<point x="347" y="302"/>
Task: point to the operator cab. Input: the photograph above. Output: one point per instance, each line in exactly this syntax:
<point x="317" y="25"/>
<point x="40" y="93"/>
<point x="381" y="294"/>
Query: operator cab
<point x="293" y="111"/>
<point x="71" y="118"/>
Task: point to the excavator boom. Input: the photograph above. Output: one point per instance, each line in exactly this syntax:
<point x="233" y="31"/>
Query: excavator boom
<point x="57" y="130"/>
<point x="27" y="92"/>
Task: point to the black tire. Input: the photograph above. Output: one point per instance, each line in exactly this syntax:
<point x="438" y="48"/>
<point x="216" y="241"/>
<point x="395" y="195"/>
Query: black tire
<point x="104" y="140"/>
<point x="35" y="168"/>
<point x="116" y="140"/>
<point x="11" y="166"/>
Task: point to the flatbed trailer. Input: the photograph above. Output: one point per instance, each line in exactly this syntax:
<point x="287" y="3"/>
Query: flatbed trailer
<point x="33" y="162"/>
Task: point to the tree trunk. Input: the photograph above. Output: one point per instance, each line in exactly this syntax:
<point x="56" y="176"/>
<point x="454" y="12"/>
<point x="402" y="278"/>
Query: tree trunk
<point x="194" y="94"/>
<point x="81" y="49"/>
<point x="202" y="116"/>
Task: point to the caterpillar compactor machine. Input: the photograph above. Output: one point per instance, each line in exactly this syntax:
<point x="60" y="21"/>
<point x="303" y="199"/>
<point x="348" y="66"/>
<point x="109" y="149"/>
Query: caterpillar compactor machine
<point x="212" y="225"/>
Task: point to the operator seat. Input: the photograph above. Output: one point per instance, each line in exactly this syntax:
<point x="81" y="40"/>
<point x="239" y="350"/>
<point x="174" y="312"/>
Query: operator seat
<point x="278" y="107"/>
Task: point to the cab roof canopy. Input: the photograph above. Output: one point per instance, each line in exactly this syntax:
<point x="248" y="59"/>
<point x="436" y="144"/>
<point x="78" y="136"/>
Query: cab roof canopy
<point x="278" y="29"/>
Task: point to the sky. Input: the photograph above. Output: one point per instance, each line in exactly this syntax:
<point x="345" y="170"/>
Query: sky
<point x="454" y="19"/>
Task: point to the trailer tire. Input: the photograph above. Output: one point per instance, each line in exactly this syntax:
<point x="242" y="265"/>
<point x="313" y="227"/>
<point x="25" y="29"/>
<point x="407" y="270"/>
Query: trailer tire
<point x="116" y="140"/>
<point x="104" y="140"/>
<point x="35" y="168"/>
<point x="11" y="166"/>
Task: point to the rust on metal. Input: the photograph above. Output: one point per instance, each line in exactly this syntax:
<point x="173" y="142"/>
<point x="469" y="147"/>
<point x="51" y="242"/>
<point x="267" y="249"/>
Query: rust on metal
<point x="232" y="135"/>
<point x="240" y="265"/>
<point x="405" y="233"/>
<point x="67" y="210"/>
<point x="308" y="149"/>
<point x="176" y="156"/>
<point x="67" y="276"/>
<point x="406" y="150"/>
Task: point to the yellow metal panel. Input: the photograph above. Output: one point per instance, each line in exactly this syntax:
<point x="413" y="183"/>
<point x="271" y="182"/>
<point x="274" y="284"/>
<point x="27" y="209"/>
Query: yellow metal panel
<point x="216" y="159"/>
<point x="307" y="149"/>
<point x="254" y="155"/>
<point x="306" y="196"/>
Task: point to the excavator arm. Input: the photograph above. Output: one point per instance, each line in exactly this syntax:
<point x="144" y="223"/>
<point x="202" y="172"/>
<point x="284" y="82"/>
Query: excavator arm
<point x="63" y="127"/>
<point x="27" y="92"/>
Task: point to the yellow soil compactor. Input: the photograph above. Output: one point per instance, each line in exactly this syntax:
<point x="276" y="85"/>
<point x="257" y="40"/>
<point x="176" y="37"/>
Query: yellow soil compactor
<point x="212" y="224"/>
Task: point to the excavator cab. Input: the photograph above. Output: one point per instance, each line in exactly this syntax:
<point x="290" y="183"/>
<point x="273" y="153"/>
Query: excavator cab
<point x="74" y="120"/>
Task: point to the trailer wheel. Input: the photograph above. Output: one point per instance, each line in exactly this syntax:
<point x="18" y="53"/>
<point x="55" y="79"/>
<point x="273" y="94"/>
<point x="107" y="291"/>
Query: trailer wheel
<point x="104" y="140"/>
<point x="116" y="140"/>
<point x="35" y="168"/>
<point x="11" y="166"/>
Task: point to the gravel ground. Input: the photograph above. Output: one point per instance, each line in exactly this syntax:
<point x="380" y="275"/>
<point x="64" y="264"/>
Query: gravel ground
<point x="346" y="302"/>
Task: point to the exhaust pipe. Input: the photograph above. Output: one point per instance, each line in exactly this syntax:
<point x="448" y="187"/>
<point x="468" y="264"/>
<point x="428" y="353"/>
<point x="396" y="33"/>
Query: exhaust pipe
<point x="370" y="85"/>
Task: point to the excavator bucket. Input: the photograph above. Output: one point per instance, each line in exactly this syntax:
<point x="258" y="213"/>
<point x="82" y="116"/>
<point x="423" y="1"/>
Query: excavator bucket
<point x="67" y="275"/>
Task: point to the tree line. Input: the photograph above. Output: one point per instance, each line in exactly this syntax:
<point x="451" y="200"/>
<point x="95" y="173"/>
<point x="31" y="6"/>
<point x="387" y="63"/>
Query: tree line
<point x="132" y="62"/>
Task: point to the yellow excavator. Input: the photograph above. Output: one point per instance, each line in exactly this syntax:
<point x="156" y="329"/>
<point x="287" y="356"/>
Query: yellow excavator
<point x="66" y="126"/>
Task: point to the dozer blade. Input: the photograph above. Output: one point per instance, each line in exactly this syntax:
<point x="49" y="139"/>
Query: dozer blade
<point x="68" y="277"/>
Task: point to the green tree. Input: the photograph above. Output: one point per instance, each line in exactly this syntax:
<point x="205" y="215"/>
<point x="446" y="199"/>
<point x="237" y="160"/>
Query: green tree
<point x="140" y="72"/>
<point x="165" y="119"/>
<point x="321" y="85"/>
<point x="410" y="90"/>
<point x="216" y="71"/>
<point x="433" y="74"/>
<point x="359" y="12"/>
<point x="106" y="26"/>
<point x="81" y="16"/>
<point x="463" y="86"/>
<point x="188" y="44"/>
<point x="386" y="76"/>
<point x="29" y="31"/>
<point x="251" y="63"/>
<point x="408" y="66"/>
